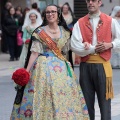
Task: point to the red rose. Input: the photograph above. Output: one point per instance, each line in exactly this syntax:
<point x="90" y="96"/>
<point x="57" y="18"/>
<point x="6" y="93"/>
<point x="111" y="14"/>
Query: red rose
<point x="21" y="77"/>
<point x="27" y="41"/>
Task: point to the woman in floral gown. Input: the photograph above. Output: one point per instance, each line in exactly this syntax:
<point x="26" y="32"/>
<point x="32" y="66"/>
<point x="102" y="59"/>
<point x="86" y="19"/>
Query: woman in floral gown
<point x="52" y="92"/>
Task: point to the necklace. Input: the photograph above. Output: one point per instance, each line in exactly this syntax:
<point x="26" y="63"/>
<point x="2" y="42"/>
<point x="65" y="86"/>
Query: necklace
<point x="53" y="32"/>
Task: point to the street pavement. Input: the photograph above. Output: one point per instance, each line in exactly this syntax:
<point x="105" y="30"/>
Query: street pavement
<point x="7" y="92"/>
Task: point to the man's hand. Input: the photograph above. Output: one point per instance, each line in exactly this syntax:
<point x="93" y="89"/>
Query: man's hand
<point x="102" y="46"/>
<point x="86" y="45"/>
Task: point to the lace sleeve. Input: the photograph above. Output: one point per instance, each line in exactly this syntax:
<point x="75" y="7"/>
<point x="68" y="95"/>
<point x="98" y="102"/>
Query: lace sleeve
<point x="65" y="49"/>
<point x="36" y="44"/>
<point x="36" y="47"/>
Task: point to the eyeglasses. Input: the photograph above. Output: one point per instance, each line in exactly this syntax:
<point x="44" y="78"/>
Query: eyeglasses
<point x="92" y="1"/>
<point x="52" y="12"/>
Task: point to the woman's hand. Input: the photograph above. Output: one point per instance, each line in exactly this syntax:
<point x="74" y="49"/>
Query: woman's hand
<point x="28" y="70"/>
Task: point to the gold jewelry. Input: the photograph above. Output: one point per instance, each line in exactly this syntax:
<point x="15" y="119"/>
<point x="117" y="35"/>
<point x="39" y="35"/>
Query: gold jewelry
<point x="53" y="32"/>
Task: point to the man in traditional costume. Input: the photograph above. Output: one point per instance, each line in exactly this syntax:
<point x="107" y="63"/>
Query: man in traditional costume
<point x="93" y="37"/>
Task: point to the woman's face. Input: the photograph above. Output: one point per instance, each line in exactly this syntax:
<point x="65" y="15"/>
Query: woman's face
<point x="27" y="11"/>
<point x="18" y="12"/>
<point x="33" y="17"/>
<point x="12" y="11"/>
<point x="65" y="9"/>
<point x="51" y="14"/>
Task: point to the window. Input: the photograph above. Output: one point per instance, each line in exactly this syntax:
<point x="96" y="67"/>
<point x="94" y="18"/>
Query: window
<point x="44" y="3"/>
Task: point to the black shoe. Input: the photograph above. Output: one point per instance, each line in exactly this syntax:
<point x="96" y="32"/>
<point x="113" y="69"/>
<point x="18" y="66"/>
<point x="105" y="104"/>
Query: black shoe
<point x="6" y="52"/>
<point x="17" y="59"/>
<point x="11" y="59"/>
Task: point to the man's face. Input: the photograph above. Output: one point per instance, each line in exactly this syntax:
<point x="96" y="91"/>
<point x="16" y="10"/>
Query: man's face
<point x="93" y="5"/>
<point x="8" y="5"/>
<point x="118" y="14"/>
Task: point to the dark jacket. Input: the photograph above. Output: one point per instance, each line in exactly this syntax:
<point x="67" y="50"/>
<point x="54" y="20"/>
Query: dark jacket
<point x="11" y="25"/>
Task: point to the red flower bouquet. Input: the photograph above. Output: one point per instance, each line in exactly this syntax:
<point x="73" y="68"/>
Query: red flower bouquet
<point x="21" y="77"/>
<point x="27" y="41"/>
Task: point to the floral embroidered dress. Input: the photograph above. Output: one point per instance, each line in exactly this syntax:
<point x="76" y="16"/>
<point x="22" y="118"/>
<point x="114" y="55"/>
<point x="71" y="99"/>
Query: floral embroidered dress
<point x="52" y="93"/>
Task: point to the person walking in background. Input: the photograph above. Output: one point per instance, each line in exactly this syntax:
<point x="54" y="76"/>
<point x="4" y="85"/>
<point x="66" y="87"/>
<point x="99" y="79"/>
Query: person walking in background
<point x="34" y="7"/>
<point x="115" y="59"/>
<point x="116" y="13"/>
<point x="4" y="14"/>
<point x="70" y="20"/>
<point x="52" y="92"/>
<point x="19" y="15"/>
<point x="25" y="11"/>
<point x="91" y="41"/>
<point x="18" y="11"/>
<point x="33" y="20"/>
<point x="11" y="22"/>
<point x="68" y="15"/>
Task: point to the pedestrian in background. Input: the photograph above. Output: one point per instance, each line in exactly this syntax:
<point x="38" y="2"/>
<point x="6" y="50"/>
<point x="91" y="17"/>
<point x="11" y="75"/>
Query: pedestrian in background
<point x="25" y="11"/>
<point x="33" y="20"/>
<point x="34" y="7"/>
<point x="70" y="20"/>
<point x="19" y="15"/>
<point x="93" y="37"/>
<point x="115" y="59"/>
<point x="68" y="15"/>
<point x="11" y="22"/>
<point x="4" y="14"/>
<point x="18" y="11"/>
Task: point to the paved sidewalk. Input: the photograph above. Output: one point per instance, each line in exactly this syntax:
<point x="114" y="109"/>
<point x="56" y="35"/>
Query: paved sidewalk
<point x="6" y="67"/>
<point x="7" y="96"/>
<point x="7" y="92"/>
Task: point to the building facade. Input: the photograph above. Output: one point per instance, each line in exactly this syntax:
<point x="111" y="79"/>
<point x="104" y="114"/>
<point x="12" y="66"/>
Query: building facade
<point x="108" y="5"/>
<point x="41" y="3"/>
<point x="78" y="6"/>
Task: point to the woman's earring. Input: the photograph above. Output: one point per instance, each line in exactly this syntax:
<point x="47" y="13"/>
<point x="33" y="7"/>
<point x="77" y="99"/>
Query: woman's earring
<point x="58" y="20"/>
